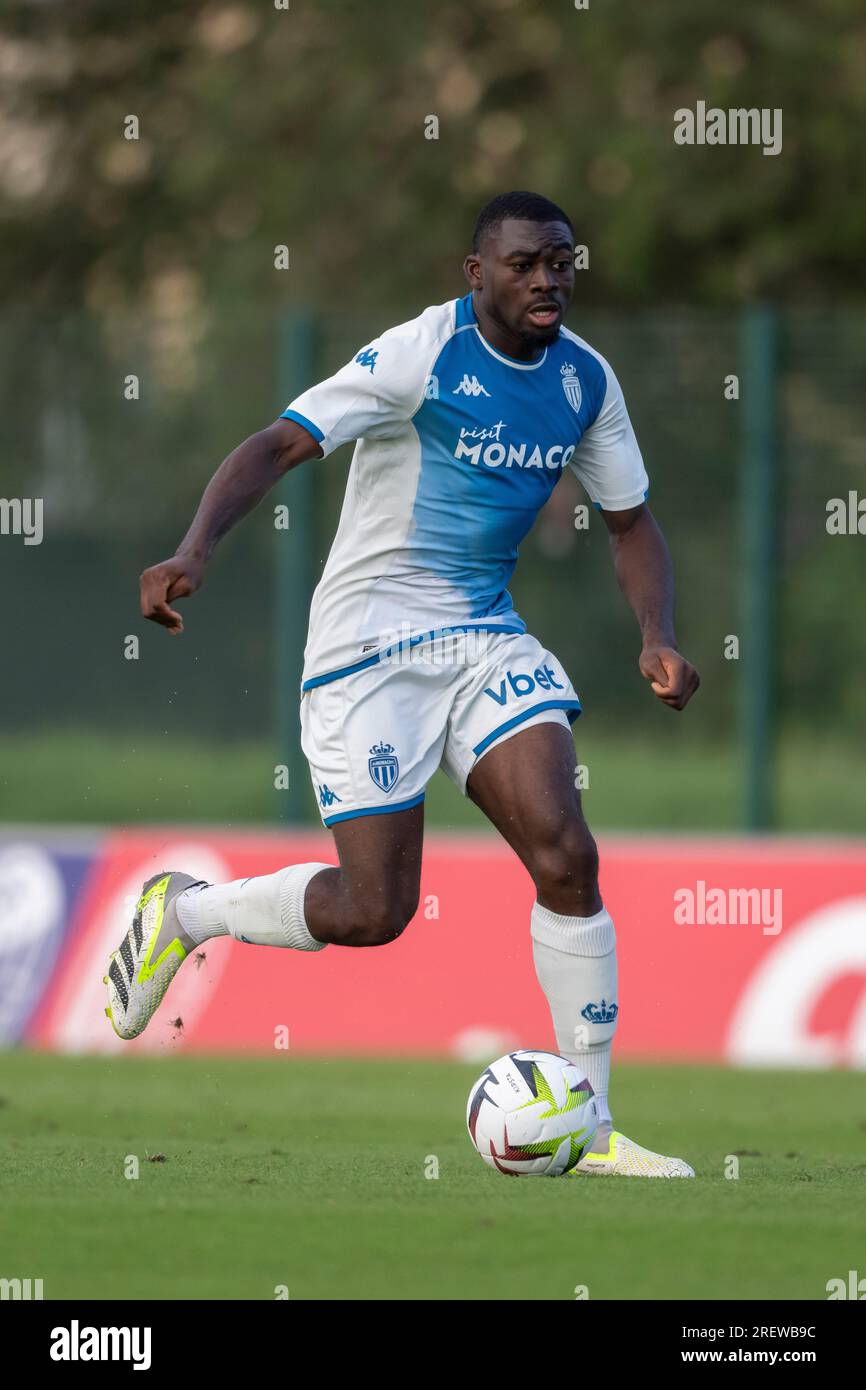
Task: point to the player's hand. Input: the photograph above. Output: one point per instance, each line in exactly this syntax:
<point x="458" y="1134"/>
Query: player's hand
<point x="162" y="584"/>
<point x="673" y="679"/>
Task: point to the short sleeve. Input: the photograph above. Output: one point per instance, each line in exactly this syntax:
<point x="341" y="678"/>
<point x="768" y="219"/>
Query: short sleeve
<point x="372" y="397"/>
<point x="607" y="461"/>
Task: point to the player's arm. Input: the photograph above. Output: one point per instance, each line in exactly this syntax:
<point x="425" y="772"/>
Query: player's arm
<point x="609" y="465"/>
<point x="643" y="568"/>
<point x="239" y="484"/>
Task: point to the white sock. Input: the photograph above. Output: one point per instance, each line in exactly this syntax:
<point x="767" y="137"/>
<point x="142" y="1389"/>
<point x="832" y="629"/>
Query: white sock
<point x="575" y="961"/>
<point x="263" y="911"/>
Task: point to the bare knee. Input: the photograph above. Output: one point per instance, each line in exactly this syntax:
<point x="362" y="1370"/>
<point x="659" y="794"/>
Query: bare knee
<point x="563" y="862"/>
<point x="380" y="918"/>
<point x="355" y="910"/>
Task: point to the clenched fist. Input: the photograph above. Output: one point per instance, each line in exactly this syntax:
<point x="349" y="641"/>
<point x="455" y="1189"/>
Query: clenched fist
<point x="162" y="584"/>
<point x="673" y="679"/>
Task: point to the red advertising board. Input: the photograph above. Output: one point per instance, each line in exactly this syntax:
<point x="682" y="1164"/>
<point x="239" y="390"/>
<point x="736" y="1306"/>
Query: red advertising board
<point x="749" y="951"/>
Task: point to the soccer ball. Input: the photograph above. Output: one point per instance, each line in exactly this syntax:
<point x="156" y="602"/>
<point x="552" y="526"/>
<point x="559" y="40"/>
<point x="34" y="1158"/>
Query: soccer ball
<point x="532" y="1113"/>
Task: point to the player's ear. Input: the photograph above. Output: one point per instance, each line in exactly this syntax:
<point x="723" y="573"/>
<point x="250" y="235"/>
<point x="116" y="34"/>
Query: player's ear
<point x="472" y="271"/>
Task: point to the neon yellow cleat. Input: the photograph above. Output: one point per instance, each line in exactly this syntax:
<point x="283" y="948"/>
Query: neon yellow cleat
<point x="624" y="1158"/>
<point x="149" y="956"/>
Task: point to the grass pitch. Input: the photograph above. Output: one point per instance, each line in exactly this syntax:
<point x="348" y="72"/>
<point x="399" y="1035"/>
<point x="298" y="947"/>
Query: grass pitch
<point x="310" y="1174"/>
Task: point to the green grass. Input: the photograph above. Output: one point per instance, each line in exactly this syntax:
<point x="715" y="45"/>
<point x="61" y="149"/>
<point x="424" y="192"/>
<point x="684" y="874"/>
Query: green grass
<point x="310" y="1174"/>
<point x="81" y="777"/>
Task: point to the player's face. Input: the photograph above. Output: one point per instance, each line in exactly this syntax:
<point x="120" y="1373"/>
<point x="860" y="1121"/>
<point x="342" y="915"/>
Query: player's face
<point x="523" y="279"/>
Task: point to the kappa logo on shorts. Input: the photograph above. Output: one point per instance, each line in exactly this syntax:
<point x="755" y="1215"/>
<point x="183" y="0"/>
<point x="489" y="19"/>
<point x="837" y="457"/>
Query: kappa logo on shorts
<point x="326" y="796"/>
<point x="384" y="767"/>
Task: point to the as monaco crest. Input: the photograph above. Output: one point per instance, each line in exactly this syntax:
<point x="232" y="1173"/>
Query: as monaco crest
<point x="571" y="386"/>
<point x="384" y="768"/>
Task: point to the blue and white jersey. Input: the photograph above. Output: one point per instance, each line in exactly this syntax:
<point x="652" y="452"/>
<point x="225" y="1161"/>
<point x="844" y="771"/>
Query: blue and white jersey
<point x="458" y="449"/>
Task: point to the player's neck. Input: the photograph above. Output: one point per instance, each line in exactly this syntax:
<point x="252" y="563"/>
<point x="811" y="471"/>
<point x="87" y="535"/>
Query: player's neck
<point x="502" y="338"/>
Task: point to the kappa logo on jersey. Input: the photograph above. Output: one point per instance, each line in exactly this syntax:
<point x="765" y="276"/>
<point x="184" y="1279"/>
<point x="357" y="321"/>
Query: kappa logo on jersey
<point x="486" y="446"/>
<point x="367" y="358"/>
<point x="600" y="1013"/>
<point x="522" y="684"/>
<point x="384" y="767"/>
<point x="470" y="386"/>
<point x="571" y="386"/>
<point x="326" y="796"/>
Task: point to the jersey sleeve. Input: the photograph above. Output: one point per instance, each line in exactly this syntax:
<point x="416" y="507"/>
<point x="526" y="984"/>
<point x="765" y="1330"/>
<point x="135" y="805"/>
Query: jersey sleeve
<point x="608" y="461"/>
<point x="372" y="397"/>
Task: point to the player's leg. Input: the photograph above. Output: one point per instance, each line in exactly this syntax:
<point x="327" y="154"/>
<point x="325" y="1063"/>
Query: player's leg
<point x="371" y="795"/>
<point x="366" y="901"/>
<point x="373" y="895"/>
<point x="510" y="749"/>
<point x="525" y="785"/>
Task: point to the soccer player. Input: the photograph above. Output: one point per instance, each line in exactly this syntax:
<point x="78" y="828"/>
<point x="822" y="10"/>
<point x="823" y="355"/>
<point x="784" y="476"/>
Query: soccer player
<point x="465" y="418"/>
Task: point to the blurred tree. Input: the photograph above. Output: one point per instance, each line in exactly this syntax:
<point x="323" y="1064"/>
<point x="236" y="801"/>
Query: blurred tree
<point x="306" y="127"/>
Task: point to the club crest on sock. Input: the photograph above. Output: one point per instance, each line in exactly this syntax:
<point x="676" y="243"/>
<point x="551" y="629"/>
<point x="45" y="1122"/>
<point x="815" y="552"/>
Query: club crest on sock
<point x="600" y="1013"/>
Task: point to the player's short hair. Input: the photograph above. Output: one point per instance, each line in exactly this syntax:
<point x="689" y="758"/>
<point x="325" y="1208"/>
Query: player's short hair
<point x="526" y="207"/>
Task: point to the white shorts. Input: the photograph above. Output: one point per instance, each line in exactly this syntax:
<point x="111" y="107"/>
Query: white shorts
<point x="373" y="739"/>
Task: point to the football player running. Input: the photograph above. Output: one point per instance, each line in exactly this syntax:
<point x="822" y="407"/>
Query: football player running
<point x="465" y="418"/>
